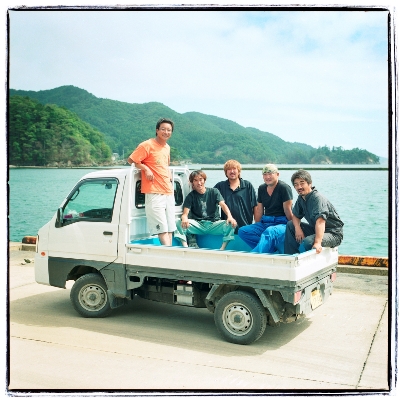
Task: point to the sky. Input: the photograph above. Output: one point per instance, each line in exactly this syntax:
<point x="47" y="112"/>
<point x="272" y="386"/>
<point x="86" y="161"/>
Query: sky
<point x="316" y="77"/>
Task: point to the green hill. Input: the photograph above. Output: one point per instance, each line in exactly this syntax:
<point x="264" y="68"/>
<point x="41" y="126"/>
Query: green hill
<point x="49" y="135"/>
<point x="197" y="137"/>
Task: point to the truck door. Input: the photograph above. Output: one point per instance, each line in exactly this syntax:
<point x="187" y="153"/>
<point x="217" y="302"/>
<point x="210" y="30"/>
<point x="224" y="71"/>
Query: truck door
<point x="86" y="227"/>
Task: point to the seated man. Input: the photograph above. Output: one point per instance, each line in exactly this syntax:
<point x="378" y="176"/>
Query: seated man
<point x="202" y="203"/>
<point x="239" y="195"/>
<point x="323" y="228"/>
<point x="273" y="211"/>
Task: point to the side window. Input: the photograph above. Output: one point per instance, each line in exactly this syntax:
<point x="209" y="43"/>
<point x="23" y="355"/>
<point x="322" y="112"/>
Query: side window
<point x="178" y="193"/>
<point x="139" y="196"/>
<point x="92" y="200"/>
<point x="140" y="199"/>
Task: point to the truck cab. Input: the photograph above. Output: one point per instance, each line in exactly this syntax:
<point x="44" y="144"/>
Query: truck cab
<point x="102" y="213"/>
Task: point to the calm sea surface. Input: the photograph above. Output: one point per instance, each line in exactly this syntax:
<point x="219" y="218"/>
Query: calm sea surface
<point x="360" y="197"/>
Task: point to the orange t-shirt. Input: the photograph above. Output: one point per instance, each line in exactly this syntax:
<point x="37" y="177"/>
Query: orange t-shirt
<point x="156" y="157"/>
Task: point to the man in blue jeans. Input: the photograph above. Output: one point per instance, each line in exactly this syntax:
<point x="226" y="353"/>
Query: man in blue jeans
<point x="273" y="211"/>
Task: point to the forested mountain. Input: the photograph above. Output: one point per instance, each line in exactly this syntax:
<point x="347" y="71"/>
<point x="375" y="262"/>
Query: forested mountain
<point x="51" y="136"/>
<point x="197" y="137"/>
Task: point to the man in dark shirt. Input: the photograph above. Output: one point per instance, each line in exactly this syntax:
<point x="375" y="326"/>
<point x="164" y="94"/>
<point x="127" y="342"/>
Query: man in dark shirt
<point x="239" y="195"/>
<point x="273" y="211"/>
<point x="324" y="227"/>
<point x="202" y="203"/>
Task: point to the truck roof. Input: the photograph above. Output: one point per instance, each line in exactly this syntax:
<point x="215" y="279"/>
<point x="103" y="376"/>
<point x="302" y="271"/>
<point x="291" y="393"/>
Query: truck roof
<point x="107" y="173"/>
<point x="123" y="171"/>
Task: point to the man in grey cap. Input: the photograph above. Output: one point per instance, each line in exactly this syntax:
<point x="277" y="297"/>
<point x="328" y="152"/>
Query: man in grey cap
<point x="273" y="211"/>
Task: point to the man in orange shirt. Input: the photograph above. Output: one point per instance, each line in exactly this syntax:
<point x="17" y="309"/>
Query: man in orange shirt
<point x="152" y="158"/>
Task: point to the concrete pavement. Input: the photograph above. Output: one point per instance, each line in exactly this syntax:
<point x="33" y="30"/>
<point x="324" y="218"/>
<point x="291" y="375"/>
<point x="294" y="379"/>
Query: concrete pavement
<point x="149" y="346"/>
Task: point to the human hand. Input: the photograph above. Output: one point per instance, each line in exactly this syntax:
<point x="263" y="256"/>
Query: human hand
<point x="299" y="235"/>
<point x="317" y="247"/>
<point x="149" y="174"/>
<point x="231" y="221"/>
<point x="185" y="223"/>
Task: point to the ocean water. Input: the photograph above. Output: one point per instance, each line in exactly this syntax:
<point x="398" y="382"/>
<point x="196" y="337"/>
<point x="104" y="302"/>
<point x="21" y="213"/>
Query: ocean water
<point x="361" y="198"/>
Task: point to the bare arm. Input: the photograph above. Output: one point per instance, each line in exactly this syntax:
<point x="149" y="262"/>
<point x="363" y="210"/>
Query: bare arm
<point x="258" y="212"/>
<point x="228" y="214"/>
<point x="147" y="171"/>
<point x="287" y="208"/>
<point x="319" y="233"/>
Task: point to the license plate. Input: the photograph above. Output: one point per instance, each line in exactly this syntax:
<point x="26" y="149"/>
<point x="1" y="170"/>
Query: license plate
<point x="316" y="299"/>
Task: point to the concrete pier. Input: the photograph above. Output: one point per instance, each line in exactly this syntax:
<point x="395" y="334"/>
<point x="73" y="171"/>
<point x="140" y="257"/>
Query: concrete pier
<point x="148" y="347"/>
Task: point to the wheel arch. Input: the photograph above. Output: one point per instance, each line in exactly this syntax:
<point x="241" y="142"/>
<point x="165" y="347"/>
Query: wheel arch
<point x="63" y="269"/>
<point x="80" y="270"/>
<point x="218" y="291"/>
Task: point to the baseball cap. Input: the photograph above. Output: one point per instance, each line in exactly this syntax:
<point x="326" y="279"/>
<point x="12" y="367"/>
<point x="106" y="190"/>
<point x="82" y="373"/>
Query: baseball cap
<point x="269" y="169"/>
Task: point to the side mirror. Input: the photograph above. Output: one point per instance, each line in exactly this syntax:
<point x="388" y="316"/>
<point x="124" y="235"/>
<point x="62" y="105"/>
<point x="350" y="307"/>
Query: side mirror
<point x="59" y="218"/>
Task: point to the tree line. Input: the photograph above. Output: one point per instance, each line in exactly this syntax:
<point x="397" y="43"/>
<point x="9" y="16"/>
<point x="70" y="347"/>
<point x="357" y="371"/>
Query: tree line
<point x="48" y="135"/>
<point x="197" y="138"/>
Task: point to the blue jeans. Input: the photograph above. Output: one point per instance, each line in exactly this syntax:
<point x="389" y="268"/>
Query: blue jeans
<point x="265" y="236"/>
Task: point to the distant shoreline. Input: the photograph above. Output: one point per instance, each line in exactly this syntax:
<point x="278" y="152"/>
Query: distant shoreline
<point x="82" y="167"/>
<point x="322" y="168"/>
<point x="359" y="167"/>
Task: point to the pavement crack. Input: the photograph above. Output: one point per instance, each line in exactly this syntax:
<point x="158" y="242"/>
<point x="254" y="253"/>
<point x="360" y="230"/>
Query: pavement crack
<point x="345" y="386"/>
<point x="372" y="342"/>
<point x="24" y="284"/>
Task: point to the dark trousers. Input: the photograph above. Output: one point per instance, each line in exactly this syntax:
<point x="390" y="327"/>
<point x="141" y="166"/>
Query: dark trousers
<point x="293" y="247"/>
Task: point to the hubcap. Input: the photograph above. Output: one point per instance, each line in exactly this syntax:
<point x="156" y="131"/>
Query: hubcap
<point x="237" y="319"/>
<point x="92" y="297"/>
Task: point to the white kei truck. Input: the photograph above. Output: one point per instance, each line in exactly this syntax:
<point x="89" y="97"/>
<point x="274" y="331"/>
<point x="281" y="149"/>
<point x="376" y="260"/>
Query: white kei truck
<point x="99" y="238"/>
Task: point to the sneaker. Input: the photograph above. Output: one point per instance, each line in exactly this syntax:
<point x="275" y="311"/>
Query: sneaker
<point x="191" y="240"/>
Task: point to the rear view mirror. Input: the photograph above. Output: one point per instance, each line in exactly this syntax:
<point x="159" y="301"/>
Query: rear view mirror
<point x="59" y="218"/>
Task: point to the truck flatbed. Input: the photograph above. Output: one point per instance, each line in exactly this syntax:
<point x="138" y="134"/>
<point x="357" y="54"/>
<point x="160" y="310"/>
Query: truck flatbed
<point x="238" y="266"/>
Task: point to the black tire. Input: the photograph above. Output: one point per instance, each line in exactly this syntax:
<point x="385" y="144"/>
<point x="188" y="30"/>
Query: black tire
<point x="89" y="296"/>
<point x="240" y="317"/>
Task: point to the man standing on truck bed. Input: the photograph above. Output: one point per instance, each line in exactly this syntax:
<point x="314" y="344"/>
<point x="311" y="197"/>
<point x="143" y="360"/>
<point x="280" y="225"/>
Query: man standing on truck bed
<point x="239" y="195"/>
<point x="202" y="203"/>
<point x="152" y="158"/>
<point x="324" y="227"/>
<point x="273" y="211"/>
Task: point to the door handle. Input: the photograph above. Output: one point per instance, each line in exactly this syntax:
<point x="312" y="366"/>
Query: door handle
<point x="107" y="233"/>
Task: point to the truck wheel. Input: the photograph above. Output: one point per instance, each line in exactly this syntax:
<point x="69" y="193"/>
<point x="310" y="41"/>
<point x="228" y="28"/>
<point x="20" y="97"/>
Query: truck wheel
<point x="89" y="296"/>
<point x="240" y="317"/>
